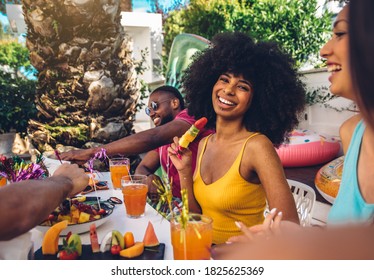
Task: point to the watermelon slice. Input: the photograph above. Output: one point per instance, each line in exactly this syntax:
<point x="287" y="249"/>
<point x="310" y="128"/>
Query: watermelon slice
<point x="94" y="240"/>
<point x="150" y="238"/>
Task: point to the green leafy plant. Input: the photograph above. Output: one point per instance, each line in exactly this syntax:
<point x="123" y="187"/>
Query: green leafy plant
<point x="293" y="24"/>
<point x="140" y="68"/>
<point x="16" y="92"/>
<point x="322" y="96"/>
<point x="318" y="95"/>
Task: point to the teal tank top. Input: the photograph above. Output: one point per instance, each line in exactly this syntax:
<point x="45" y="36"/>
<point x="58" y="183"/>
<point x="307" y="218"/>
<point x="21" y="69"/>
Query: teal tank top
<point x="349" y="205"/>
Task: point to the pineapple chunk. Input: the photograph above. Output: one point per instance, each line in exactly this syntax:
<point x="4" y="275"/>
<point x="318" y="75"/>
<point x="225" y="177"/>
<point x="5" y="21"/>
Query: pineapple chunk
<point x="83" y="217"/>
<point x="75" y="214"/>
<point x="64" y="217"/>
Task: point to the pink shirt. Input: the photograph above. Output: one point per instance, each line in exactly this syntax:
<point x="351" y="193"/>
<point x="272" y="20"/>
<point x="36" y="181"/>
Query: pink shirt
<point x="162" y="151"/>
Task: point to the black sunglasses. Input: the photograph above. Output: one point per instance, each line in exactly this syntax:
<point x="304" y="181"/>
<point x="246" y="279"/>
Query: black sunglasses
<point x="154" y="106"/>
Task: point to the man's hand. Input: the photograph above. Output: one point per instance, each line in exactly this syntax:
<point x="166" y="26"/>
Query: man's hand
<point x="76" y="175"/>
<point x="77" y="156"/>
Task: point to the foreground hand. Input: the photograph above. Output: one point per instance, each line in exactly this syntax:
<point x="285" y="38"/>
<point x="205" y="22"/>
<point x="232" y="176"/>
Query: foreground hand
<point x="271" y="225"/>
<point x="77" y="176"/>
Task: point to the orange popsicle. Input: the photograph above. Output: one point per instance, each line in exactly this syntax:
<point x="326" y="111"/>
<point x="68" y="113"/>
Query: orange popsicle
<point x="192" y="132"/>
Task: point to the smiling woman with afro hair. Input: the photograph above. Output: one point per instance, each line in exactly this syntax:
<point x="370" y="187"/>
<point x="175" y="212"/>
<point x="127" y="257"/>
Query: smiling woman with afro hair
<point x="251" y="95"/>
<point x="278" y="94"/>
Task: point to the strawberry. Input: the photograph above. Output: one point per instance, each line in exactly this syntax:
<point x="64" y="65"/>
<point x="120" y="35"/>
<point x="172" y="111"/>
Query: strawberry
<point x="115" y="249"/>
<point x="68" y="255"/>
<point x="69" y="250"/>
<point x="51" y="217"/>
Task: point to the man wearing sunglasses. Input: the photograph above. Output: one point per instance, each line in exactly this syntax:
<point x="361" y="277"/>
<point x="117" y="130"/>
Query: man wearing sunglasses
<point x="166" y="109"/>
<point x="166" y="105"/>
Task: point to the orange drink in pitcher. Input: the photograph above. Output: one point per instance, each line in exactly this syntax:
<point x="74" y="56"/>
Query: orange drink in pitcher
<point x="134" y="190"/>
<point x="192" y="242"/>
<point x="118" y="168"/>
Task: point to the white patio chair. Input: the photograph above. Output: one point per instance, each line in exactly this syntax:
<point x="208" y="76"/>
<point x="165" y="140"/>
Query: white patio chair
<point x="305" y="198"/>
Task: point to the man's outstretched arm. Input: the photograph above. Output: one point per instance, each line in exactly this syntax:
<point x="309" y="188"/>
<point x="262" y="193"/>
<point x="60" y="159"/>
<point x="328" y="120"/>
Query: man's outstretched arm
<point x="134" y="144"/>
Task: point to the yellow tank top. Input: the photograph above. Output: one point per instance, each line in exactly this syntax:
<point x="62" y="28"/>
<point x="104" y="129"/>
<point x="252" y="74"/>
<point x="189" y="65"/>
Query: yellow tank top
<point x="231" y="198"/>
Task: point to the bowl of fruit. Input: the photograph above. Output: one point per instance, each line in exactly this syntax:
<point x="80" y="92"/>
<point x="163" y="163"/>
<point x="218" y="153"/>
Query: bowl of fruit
<point x="80" y="212"/>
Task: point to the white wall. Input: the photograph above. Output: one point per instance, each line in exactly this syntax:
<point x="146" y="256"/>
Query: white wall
<point x="145" y="29"/>
<point x="16" y="19"/>
<point x="319" y="117"/>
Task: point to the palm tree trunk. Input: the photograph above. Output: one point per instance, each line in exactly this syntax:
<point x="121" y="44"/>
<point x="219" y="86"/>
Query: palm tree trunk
<point x="87" y="85"/>
<point x="126" y="5"/>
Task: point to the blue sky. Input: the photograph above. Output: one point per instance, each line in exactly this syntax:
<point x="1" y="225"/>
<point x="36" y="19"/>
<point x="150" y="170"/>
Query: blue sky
<point x="140" y="5"/>
<point x="144" y="6"/>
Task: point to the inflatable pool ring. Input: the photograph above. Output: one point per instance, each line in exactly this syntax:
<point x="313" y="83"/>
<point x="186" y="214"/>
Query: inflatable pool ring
<point x="307" y="148"/>
<point x="328" y="178"/>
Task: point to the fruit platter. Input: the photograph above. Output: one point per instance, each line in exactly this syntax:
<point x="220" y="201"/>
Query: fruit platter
<point x="80" y="213"/>
<point x="113" y="246"/>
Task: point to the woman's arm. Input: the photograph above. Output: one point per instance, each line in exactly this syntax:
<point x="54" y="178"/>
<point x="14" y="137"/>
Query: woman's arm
<point x="260" y="156"/>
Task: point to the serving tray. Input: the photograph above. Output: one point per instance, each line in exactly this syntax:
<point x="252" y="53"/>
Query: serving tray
<point x="150" y="253"/>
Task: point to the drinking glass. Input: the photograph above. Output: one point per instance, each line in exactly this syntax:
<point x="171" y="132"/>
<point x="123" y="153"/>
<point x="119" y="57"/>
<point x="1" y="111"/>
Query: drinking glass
<point x="118" y="168"/>
<point x="134" y="190"/>
<point x="2" y="181"/>
<point x="192" y="242"/>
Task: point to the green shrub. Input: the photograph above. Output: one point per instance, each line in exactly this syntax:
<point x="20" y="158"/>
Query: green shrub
<point x="293" y="24"/>
<point x="17" y="103"/>
<point x="17" y="93"/>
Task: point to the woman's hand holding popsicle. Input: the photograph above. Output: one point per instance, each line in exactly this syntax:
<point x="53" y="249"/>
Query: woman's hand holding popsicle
<point x="180" y="157"/>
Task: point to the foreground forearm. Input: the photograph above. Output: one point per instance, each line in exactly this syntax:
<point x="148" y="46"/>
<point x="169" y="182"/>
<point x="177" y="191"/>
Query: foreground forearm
<point x="30" y="202"/>
<point x="345" y="243"/>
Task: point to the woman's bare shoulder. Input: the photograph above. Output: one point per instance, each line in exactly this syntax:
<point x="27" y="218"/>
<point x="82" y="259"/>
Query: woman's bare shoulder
<point x="346" y="130"/>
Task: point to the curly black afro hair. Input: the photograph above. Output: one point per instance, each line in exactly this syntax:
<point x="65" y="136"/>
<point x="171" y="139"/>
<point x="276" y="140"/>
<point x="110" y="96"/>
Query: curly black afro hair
<point x="278" y="93"/>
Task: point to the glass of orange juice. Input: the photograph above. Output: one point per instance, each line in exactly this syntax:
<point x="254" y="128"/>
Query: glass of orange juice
<point x="134" y="190"/>
<point x="194" y="240"/>
<point x="118" y="168"/>
<point x="2" y="181"/>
